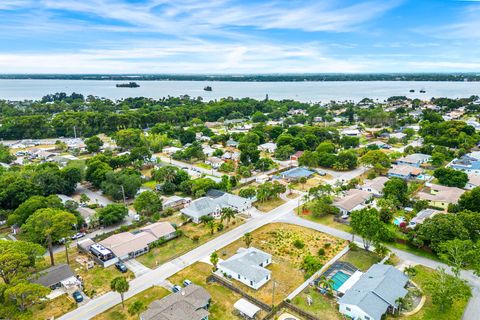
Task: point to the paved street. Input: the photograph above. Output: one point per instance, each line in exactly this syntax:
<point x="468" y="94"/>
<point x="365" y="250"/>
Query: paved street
<point x="158" y="275"/>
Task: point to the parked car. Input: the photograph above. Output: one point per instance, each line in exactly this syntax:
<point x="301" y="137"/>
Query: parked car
<point x="78" y="235"/>
<point x="77" y="296"/>
<point x="186" y="282"/>
<point x="121" y="267"/>
<point x="176" y="288"/>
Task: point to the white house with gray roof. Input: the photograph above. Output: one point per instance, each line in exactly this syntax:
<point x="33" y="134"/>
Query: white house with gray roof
<point x="213" y="206"/>
<point x="374" y="294"/>
<point x="248" y="267"/>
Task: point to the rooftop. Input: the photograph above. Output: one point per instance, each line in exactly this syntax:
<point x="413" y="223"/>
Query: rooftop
<point x="247" y="263"/>
<point x="53" y="275"/>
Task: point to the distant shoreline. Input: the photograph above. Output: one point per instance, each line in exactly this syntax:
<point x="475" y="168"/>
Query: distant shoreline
<point x="362" y="77"/>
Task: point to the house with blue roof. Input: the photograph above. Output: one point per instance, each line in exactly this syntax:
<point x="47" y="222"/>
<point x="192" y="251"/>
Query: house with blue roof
<point x="469" y="163"/>
<point x="296" y="173"/>
<point x="375" y="293"/>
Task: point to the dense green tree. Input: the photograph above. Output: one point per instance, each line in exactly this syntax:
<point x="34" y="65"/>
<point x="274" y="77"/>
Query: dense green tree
<point x="49" y="225"/>
<point x="128" y="138"/>
<point x="470" y="200"/>
<point x="442" y="228"/>
<point x="93" y="144"/>
<point x="451" y="177"/>
<point x="366" y="223"/>
<point x="376" y="159"/>
<point x="112" y="213"/>
<point x="26" y="209"/>
<point x="445" y="289"/>
<point x="5" y="155"/>
<point x="148" y="203"/>
<point x="16" y="259"/>
<point x="126" y="183"/>
<point x="97" y="171"/>
<point x="247" y="192"/>
<point x="396" y="189"/>
<point x="25" y="294"/>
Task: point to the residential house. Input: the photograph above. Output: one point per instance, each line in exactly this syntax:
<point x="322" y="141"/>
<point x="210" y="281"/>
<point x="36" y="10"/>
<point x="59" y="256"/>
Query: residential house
<point x="296" y="155"/>
<point x="350" y="132"/>
<point x="469" y="163"/>
<point x="440" y="196"/>
<point x="214" y="162"/>
<point x="232" y="143"/>
<point x="207" y="150"/>
<point x="59" y="276"/>
<point x="374" y="186"/>
<point x="404" y="171"/>
<point x="175" y="202"/>
<point x="248" y="266"/>
<point x="374" y="294"/>
<point x="212" y="206"/>
<point x="269" y="147"/>
<point x="128" y="245"/>
<point x="170" y="150"/>
<point x="296" y="173"/>
<point x="354" y="199"/>
<point x="473" y="181"/>
<point x="192" y="303"/>
<point x="397" y="135"/>
<point x="415" y="159"/>
<point x="421" y="216"/>
<point x="379" y="145"/>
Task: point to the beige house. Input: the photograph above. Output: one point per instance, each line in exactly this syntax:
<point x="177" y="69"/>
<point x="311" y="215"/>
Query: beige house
<point x="354" y="199"/>
<point x="440" y="196"/>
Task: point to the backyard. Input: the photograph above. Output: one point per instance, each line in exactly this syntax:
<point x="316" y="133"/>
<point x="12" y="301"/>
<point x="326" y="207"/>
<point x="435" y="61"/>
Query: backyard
<point x="223" y="298"/>
<point x="321" y="306"/>
<point x="186" y="242"/>
<point x="146" y="297"/>
<point x="278" y="240"/>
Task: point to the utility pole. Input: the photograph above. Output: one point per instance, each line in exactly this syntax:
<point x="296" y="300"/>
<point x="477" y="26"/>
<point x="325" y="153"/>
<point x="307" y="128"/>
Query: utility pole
<point x="75" y="131"/>
<point x="273" y="293"/>
<point x="123" y="193"/>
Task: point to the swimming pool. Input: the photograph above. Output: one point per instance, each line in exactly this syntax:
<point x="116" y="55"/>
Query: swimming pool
<point x="398" y="220"/>
<point x="338" y="279"/>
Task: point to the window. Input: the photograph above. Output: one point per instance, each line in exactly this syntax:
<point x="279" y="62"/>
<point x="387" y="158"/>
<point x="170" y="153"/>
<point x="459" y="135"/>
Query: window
<point x="348" y="309"/>
<point x="251" y="282"/>
<point x="367" y="318"/>
<point x="238" y="277"/>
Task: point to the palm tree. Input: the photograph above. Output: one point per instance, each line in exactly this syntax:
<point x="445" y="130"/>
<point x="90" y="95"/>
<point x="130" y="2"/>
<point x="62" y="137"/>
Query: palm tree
<point x="247" y="238"/>
<point x="326" y="283"/>
<point x="227" y="214"/>
<point x="205" y="219"/>
<point x="212" y="225"/>
<point x="214" y="259"/>
<point x="120" y="285"/>
<point x="410" y="271"/>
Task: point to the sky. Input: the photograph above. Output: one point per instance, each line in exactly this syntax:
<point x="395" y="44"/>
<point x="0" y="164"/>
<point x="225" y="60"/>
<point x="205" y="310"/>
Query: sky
<point x="239" y="36"/>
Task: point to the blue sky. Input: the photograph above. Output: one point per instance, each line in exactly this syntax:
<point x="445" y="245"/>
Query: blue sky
<point x="239" y="36"/>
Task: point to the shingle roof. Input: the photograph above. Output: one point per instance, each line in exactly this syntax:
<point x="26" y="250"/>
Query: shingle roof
<point x="352" y="198"/>
<point x="54" y="275"/>
<point x="207" y="205"/>
<point x="376" y="290"/>
<point x="441" y="193"/>
<point x="246" y="263"/>
<point x="297" y="173"/>
<point x="377" y="183"/>
<point x="159" y="229"/>
<point x="404" y="170"/>
<point x="415" y="158"/>
<point x="185" y="304"/>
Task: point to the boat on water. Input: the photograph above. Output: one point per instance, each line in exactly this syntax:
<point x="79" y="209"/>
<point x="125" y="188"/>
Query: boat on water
<point x="127" y="85"/>
<point x="208" y="88"/>
<point x="411" y="90"/>
<point x="422" y="91"/>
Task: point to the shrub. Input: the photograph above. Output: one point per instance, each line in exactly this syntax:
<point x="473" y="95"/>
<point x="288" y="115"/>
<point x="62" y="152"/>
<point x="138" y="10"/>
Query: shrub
<point x="321" y="252"/>
<point x="196" y="238"/>
<point x="136" y="308"/>
<point x="298" y="244"/>
<point x="327" y="245"/>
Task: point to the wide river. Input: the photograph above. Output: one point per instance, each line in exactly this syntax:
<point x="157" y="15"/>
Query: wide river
<point x="301" y="91"/>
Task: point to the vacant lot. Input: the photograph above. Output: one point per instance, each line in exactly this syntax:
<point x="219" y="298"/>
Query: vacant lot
<point x="184" y="243"/>
<point x="51" y="309"/>
<point x="278" y="239"/>
<point x="268" y="205"/>
<point x="222" y="298"/>
<point x="146" y="297"/>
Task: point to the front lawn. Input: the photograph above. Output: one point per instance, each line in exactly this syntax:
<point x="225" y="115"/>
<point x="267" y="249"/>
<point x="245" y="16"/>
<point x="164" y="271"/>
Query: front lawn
<point x="326" y="219"/>
<point x="430" y="311"/>
<point x="223" y="298"/>
<point x="360" y="258"/>
<point x="51" y="309"/>
<point x="268" y="205"/>
<point x="323" y="307"/>
<point x="186" y="242"/>
<point x="146" y="297"/>
<point x="278" y="239"/>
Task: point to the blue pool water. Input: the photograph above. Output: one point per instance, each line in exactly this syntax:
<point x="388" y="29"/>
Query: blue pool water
<point x="339" y="278"/>
<point x="398" y="220"/>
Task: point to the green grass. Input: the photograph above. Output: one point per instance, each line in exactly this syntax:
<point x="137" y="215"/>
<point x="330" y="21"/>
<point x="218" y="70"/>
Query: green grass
<point x="361" y="258"/>
<point x="176" y="247"/>
<point x="50" y="309"/>
<point x="322" y="307"/>
<point x="268" y="205"/>
<point x="326" y="220"/>
<point x="413" y="250"/>
<point x="150" y="184"/>
<point x="147" y="297"/>
<point x="430" y="311"/>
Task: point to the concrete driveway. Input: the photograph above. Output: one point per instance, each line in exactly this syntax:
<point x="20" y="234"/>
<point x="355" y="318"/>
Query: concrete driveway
<point x="136" y="267"/>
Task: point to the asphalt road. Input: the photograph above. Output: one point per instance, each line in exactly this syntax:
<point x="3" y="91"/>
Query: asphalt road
<point x="158" y="275"/>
